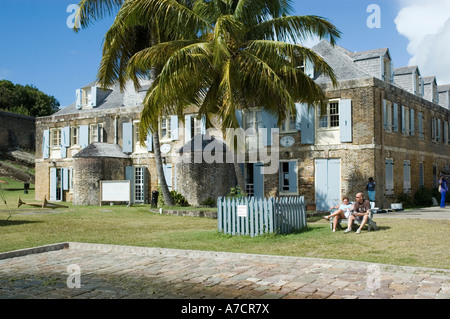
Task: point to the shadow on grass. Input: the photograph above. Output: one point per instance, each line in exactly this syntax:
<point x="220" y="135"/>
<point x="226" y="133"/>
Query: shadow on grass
<point x="10" y="222"/>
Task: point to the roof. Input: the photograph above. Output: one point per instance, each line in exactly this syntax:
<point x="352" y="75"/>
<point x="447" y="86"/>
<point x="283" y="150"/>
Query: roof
<point x="112" y="100"/>
<point x="358" y="56"/>
<point x="101" y="150"/>
<point x="407" y="70"/>
<point x="199" y="142"/>
<point x="429" y="79"/>
<point x="341" y="61"/>
<point x="444" y="88"/>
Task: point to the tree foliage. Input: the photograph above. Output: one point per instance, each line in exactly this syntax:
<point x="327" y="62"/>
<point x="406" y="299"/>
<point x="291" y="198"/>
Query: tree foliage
<point x="26" y="100"/>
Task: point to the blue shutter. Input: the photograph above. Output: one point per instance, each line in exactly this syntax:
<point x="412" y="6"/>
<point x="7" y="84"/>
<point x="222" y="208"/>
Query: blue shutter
<point x="395" y="118"/>
<point x="84" y="136"/>
<point x="127" y="137"/>
<point x="385" y="115"/>
<point x="438" y="130"/>
<point x="78" y="98"/>
<point x="94" y="96"/>
<point x="321" y="184"/>
<point x="187" y="128"/>
<point x="239" y="117"/>
<point x="293" y="177"/>
<point x="307" y="120"/>
<point x="269" y="121"/>
<point x="149" y="141"/>
<point x="406" y="176"/>
<point x="411" y="122"/>
<point x="168" y="175"/>
<point x="345" y="121"/>
<point x="46" y="144"/>
<point x="65" y="140"/>
<point x="420" y="125"/>
<point x="53" y="183"/>
<point x="174" y="127"/>
<point x="258" y="180"/>
<point x="129" y="176"/>
<point x="403" y="119"/>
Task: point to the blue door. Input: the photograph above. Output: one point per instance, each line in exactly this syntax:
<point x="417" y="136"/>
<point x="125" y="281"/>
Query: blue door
<point x="327" y="183"/>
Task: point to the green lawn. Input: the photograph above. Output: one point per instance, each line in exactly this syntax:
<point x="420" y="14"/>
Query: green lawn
<point x="398" y="241"/>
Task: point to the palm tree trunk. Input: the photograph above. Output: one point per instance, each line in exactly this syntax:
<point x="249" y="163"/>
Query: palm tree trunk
<point x="239" y="174"/>
<point x="159" y="168"/>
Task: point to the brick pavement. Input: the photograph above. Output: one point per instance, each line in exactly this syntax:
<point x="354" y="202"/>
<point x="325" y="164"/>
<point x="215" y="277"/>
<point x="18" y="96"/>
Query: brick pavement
<point x="108" y="271"/>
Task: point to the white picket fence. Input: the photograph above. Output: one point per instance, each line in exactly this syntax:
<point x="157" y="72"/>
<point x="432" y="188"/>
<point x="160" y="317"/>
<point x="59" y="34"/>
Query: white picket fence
<point x="252" y="217"/>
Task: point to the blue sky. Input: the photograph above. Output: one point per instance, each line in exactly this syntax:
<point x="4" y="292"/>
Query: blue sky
<point x="38" y="48"/>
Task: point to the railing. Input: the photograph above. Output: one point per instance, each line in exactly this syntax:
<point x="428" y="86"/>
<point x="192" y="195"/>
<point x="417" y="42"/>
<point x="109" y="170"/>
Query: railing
<point x="252" y="217"/>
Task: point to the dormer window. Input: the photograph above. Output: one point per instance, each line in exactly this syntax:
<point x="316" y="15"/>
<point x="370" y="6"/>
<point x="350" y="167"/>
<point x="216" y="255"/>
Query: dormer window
<point x="86" y="97"/>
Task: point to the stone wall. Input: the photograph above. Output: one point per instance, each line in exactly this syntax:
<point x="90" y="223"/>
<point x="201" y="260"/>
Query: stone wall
<point x="17" y="131"/>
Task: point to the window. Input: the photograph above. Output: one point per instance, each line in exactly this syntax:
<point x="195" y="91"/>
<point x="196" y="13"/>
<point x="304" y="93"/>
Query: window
<point x="71" y="179"/>
<point x="96" y="133"/>
<point x="166" y="132"/>
<point x="390" y="116"/>
<point x="331" y="118"/>
<point x="86" y="97"/>
<point x="389" y="176"/>
<point x="252" y="123"/>
<point x="405" y="120"/>
<point x="74" y="131"/>
<point x="55" y="137"/>
<point x="196" y="125"/>
<point x="289" y="124"/>
<point x="436" y="129"/>
<point x="139" y="184"/>
<point x="406" y="177"/>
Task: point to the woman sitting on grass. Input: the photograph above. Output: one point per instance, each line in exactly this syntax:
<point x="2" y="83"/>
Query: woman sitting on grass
<point x="342" y="212"/>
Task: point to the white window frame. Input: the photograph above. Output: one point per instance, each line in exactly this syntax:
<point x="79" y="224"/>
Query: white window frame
<point x="325" y="123"/>
<point x="165" y="125"/>
<point x="389" y="116"/>
<point x="74" y="135"/>
<point x="93" y="133"/>
<point x="289" y="124"/>
<point x="252" y="122"/>
<point x="55" y="137"/>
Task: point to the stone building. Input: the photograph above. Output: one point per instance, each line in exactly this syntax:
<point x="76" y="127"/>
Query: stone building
<point x="381" y="122"/>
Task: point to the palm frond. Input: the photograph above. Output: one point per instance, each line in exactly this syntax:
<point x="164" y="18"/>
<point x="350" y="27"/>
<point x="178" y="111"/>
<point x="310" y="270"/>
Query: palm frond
<point x="90" y="11"/>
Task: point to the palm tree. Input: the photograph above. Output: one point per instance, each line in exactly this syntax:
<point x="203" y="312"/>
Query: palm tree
<point x="221" y="55"/>
<point x="245" y="54"/>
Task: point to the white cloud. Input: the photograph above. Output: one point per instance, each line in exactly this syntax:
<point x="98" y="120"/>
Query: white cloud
<point x="426" y="24"/>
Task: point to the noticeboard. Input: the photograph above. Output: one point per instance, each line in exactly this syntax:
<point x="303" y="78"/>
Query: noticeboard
<point x="115" y="191"/>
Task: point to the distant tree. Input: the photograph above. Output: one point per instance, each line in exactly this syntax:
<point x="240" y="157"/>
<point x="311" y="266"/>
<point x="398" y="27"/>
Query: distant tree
<point x="26" y="100"/>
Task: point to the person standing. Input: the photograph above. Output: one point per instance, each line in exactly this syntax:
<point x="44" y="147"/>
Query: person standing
<point x="443" y="187"/>
<point x="371" y="189"/>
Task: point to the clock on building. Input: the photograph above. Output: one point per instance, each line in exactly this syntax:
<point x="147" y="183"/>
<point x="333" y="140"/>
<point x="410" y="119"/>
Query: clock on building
<point x="287" y="141"/>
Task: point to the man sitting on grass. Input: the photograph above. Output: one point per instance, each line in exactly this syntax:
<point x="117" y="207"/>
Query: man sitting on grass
<point x="361" y="210"/>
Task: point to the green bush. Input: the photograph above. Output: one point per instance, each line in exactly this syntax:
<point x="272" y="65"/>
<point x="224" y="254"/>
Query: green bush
<point x="236" y="192"/>
<point x="422" y="197"/>
<point x="407" y="200"/>
<point x="210" y="202"/>
<point x="178" y="199"/>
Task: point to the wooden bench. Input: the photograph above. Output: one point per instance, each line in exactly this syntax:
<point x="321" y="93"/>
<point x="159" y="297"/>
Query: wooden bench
<point x="370" y="223"/>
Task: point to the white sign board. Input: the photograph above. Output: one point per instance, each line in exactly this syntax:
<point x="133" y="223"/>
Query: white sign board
<point x="115" y="191"/>
<point x="242" y="211"/>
